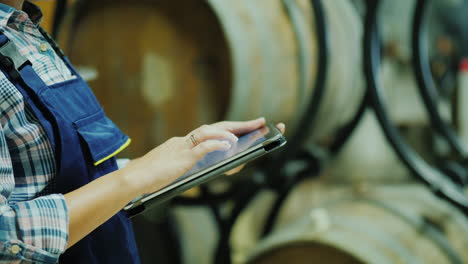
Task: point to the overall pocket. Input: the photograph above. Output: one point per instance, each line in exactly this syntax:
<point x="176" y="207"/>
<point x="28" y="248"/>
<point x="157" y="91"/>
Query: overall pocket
<point x="102" y="138"/>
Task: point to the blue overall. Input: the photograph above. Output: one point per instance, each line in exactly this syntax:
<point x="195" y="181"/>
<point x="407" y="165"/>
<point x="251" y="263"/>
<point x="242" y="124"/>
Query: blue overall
<point x="84" y="141"/>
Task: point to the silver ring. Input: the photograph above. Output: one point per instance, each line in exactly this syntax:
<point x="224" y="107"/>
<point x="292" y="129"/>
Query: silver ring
<point x="194" y="140"/>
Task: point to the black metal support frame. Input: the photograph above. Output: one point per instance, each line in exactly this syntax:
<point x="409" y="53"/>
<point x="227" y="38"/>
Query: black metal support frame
<point x="426" y="84"/>
<point x="431" y="176"/>
<point x="277" y="180"/>
<point x="241" y="197"/>
<point x="59" y="14"/>
<point x="281" y="183"/>
<point x="308" y="120"/>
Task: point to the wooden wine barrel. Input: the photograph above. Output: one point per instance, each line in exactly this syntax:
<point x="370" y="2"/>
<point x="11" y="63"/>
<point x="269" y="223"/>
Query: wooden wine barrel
<point x="345" y="83"/>
<point x="372" y="224"/>
<point x="166" y="67"/>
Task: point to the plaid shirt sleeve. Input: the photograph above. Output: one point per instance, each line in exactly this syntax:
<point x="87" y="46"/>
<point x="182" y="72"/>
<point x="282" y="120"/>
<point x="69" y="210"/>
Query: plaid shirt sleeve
<point x="31" y="229"/>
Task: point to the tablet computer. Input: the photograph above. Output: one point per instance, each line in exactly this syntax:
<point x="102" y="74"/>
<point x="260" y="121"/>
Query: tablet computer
<point x="249" y="147"/>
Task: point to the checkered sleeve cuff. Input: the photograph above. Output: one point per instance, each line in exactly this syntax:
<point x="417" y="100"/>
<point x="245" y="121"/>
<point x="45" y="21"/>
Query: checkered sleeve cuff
<point x="40" y="231"/>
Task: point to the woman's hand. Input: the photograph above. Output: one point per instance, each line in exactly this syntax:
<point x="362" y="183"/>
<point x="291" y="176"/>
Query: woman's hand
<point x="94" y="203"/>
<point x="240" y="128"/>
<point x="175" y="157"/>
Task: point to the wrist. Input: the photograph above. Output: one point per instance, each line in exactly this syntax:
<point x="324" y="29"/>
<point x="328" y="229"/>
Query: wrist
<point x="128" y="178"/>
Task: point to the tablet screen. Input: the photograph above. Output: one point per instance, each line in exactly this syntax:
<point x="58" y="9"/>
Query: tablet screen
<point x="244" y="143"/>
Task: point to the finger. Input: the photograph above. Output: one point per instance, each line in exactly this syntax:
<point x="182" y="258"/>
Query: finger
<point x="243" y="127"/>
<point x="281" y="127"/>
<point x="235" y="171"/>
<point x="209" y="146"/>
<point x="211" y="132"/>
<point x="262" y="132"/>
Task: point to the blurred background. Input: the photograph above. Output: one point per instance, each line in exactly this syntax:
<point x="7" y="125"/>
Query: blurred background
<point x="372" y="92"/>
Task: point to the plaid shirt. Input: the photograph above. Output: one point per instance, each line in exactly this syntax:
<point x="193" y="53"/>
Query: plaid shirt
<point x="33" y="222"/>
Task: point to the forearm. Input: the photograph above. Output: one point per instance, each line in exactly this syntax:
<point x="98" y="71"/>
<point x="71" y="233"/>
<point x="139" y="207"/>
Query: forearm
<point x="93" y="204"/>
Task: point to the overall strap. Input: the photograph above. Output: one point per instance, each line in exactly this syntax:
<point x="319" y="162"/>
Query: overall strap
<point x="79" y="134"/>
<point x="18" y="69"/>
<point x="11" y="61"/>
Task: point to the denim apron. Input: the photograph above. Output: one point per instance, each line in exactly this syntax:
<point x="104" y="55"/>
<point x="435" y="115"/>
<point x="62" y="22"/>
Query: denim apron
<point x="85" y="142"/>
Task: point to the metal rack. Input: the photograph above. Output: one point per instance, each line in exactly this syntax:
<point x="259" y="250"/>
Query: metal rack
<point x="429" y="93"/>
<point x="437" y="181"/>
<point x="59" y="14"/>
<point x="241" y="194"/>
<point x="426" y="84"/>
<point x="278" y="180"/>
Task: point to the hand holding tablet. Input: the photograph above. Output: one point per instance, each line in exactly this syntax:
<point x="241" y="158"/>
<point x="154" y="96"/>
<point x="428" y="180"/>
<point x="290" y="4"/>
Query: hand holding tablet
<point x="249" y="147"/>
